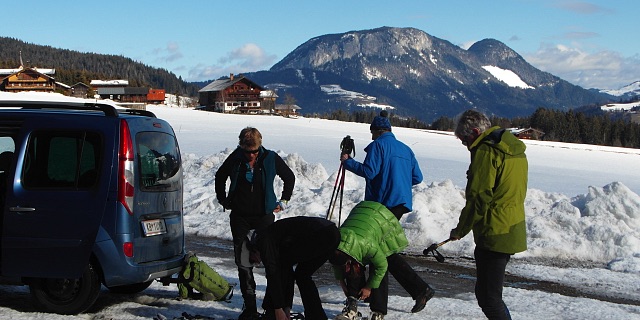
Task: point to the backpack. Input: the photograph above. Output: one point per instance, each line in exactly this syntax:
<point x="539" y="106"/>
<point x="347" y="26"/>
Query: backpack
<point x="196" y="274"/>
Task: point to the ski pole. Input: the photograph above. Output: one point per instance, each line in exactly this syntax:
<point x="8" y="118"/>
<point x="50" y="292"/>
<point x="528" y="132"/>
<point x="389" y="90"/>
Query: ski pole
<point x="335" y="186"/>
<point x="341" y="196"/>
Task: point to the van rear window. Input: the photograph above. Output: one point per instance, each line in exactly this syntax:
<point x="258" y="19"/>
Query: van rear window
<point x="62" y="160"/>
<point x="159" y="161"/>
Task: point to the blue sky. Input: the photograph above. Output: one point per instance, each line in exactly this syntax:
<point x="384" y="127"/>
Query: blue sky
<point x="588" y="43"/>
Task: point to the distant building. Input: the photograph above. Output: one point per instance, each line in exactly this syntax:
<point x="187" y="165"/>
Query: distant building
<point x="268" y="98"/>
<point x="80" y="90"/>
<point x="124" y="94"/>
<point x="528" y="133"/>
<point x="233" y="94"/>
<point x="156" y="96"/>
<point x="96" y="84"/>
<point x="27" y="79"/>
<point x="287" y="110"/>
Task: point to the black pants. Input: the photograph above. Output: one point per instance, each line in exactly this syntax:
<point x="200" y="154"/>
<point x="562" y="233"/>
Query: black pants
<point x="490" y="268"/>
<point x="401" y="270"/>
<point x="304" y="259"/>
<point x="240" y="226"/>
<point x="379" y="298"/>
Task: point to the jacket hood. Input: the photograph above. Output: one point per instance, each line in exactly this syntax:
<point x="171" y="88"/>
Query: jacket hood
<point x="502" y="140"/>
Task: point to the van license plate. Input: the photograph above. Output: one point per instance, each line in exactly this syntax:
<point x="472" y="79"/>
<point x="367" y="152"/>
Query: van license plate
<point x="153" y="227"/>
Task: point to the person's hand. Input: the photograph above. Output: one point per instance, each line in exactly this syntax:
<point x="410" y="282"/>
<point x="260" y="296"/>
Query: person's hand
<point x="344" y="156"/>
<point x="281" y="205"/>
<point x="281" y="314"/>
<point x="364" y="293"/>
<point x="453" y="236"/>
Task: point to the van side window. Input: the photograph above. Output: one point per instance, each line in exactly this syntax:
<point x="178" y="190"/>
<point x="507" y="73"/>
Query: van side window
<point x="62" y="160"/>
<point x="159" y="161"/>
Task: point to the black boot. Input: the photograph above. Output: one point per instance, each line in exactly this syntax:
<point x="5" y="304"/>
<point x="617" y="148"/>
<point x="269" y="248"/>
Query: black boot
<point x="250" y="310"/>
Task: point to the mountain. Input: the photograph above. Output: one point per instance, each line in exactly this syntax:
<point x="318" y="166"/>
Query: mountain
<point x="419" y="75"/>
<point x="629" y="91"/>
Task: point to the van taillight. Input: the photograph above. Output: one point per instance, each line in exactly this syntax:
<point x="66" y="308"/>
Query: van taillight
<point x="127" y="248"/>
<point x="126" y="173"/>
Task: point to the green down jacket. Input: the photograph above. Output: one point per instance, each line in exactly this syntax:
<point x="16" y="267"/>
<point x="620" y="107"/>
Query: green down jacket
<point x="369" y="235"/>
<point x="495" y="193"/>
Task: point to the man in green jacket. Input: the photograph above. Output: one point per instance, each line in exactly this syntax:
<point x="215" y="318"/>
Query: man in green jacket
<point x="494" y="209"/>
<point x="369" y="235"/>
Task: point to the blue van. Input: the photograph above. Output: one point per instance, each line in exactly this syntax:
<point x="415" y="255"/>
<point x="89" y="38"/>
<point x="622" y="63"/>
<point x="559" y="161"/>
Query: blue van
<point x="90" y="195"/>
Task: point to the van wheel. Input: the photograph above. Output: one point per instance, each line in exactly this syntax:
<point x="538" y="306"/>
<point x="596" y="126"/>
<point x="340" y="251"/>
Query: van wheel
<point x="130" y="288"/>
<point x="67" y="296"/>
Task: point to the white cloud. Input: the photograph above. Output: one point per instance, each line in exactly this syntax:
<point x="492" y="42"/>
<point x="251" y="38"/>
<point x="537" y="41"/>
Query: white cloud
<point x="248" y="58"/>
<point x="582" y="7"/>
<point x="602" y="69"/>
<point x="170" y="53"/>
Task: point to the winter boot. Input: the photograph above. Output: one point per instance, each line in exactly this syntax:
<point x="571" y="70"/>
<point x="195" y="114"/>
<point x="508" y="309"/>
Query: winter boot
<point x="422" y="299"/>
<point x="250" y="310"/>
<point x="376" y="316"/>
<point x="350" y="311"/>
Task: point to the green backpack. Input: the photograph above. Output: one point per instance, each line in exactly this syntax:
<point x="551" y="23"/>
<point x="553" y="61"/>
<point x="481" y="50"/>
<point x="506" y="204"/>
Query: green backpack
<point x="196" y="274"/>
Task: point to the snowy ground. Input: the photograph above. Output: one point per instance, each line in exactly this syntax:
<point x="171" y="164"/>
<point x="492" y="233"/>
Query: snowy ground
<point x="582" y="205"/>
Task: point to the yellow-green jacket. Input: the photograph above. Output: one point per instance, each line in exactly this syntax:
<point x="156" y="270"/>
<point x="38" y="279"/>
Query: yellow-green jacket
<point x="369" y="235"/>
<point x="495" y="193"/>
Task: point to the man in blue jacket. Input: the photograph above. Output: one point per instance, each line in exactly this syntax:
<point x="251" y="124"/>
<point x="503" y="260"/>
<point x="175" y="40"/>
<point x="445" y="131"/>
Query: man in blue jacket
<point x="390" y="170"/>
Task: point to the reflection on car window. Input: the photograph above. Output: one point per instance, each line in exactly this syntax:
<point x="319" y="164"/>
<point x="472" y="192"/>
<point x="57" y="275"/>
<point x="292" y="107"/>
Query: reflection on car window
<point x="62" y="160"/>
<point x="159" y="161"/>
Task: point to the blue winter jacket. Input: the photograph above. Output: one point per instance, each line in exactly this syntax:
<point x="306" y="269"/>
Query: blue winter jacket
<point x="390" y="170"/>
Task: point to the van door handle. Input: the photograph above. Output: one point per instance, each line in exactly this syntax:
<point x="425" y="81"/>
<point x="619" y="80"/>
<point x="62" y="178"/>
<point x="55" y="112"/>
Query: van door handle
<point x="21" y="209"/>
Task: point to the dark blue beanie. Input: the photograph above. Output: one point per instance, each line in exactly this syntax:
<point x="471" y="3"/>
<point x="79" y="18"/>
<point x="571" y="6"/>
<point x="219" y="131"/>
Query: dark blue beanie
<point x="381" y="122"/>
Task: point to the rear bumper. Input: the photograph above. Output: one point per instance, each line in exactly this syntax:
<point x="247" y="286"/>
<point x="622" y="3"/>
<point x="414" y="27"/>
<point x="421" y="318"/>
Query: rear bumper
<point x="118" y="270"/>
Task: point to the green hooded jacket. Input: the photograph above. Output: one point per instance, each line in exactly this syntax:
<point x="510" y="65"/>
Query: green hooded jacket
<point x="495" y="193"/>
<point x="369" y="235"/>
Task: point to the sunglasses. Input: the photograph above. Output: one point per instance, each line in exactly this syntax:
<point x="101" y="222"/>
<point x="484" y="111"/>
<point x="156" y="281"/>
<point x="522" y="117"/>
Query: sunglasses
<point x="252" y="151"/>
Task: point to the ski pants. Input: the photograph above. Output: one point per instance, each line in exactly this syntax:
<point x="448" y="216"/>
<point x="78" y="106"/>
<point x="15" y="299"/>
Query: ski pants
<point x="300" y="261"/>
<point x="490" y="268"/>
<point x="401" y="270"/>
<point x="240" y="226"/>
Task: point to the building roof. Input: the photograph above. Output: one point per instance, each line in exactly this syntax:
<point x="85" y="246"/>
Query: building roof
<point x="60" y="84"/>
<point x="287" y="107"/>
<point x="6" y="72"/>
<point x="223" y="83"/>
<point x="123" y="90"/>
<point x="109" y="82"/>
<point x="268" y="94"/>
<point x="5" y="76"/>
<point x="80" y="84"/>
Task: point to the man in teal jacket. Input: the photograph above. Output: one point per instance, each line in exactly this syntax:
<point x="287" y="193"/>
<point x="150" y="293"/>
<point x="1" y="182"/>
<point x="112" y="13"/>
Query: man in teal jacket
<point x="368" y="236"/>
<point x="494" y="209"/>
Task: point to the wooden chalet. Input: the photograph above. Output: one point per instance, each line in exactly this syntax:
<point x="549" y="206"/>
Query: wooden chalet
<point x="27" y="79"/>
<point x="287" y="110"/>
<point x="124" y="94"/>
<point x="80" y="90"/>
<point x="528" y="133"/>
<point x="233" y="94"/>
<point x="268" y="98"/>
<point x="97" y="84"/>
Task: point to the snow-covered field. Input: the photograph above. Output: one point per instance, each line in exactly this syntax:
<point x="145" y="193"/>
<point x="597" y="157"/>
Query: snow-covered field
<point x="582" y="205"/>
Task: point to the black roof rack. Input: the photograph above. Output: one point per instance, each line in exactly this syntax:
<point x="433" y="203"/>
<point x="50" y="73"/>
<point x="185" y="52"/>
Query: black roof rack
<point x="108" y="110"/>
<point x="138" y="112"/>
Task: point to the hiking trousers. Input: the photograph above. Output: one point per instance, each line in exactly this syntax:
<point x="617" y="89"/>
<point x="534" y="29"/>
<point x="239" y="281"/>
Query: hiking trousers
<point x="490" y="268"/>
<point x="240" y="226"/>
